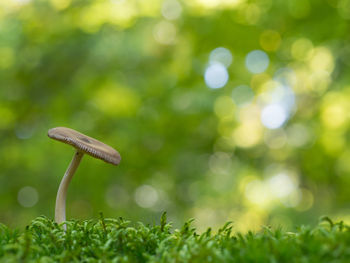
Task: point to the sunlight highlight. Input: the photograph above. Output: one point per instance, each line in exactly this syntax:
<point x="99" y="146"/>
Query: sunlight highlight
<point x="278" y="103"/>
<point x="273" y="116"/>
<point x="281" y="185"/>
<point x="216" y="76"/>
<point x="258" y="193"/>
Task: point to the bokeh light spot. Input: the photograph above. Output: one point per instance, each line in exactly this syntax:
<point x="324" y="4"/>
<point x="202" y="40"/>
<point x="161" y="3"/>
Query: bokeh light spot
<point x="24" y="132"/>
<point x="278" y="94"/>
<point x="302" y="49"/>
<point x="257" y="61"/>
<point x="306" y="200"/>
<point x="257" y="192"/>
<point x="252" y="13"/>
<point x="281" y="185"/>
<point x="221" y="55"/>
<point x="146" y="196"/>
<point x="27" y="196"/>
<point x="216" y="76"/>
<point x="334" y="111"/>
<point x="171" y="9"/>
<point x="334" y="116"/>
<point x="270" y="40"/>
<point x="165" y="33"/>
<point x="273" y="116"/>
<point x="248" y="134"/>
<point x="293" y="199"/>
<point x="322" y="60"/>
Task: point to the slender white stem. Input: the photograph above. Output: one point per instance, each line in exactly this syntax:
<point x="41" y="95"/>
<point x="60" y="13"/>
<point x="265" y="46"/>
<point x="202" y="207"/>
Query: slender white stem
<point x="60" y="210"/>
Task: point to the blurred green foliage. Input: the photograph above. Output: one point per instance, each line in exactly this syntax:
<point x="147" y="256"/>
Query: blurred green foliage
<point x="143" y="77"/>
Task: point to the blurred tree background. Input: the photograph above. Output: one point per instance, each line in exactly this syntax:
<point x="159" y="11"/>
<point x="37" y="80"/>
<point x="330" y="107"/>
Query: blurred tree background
<point x="221" y="109"/>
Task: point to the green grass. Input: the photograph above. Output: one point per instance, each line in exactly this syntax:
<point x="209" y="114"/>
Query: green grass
<point x="115" y="240"/>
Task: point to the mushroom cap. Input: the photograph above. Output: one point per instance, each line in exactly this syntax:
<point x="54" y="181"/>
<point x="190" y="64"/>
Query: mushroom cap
<point x="85" y="144"/>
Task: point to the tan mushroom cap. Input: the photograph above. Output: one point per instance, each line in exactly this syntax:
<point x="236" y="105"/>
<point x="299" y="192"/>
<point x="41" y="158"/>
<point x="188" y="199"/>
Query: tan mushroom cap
<point x="85" y="144"/>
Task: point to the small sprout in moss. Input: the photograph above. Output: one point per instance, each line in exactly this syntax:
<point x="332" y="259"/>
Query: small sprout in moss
<point x="83" y="145"/>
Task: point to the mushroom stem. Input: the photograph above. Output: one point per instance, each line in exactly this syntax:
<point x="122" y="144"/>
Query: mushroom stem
<point x="60" y="210"/>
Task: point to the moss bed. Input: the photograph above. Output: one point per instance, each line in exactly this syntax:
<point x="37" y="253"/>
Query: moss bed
<point x="117" y="240"/>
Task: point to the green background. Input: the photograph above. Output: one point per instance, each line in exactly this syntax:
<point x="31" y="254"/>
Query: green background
<point x="131" y="74"/>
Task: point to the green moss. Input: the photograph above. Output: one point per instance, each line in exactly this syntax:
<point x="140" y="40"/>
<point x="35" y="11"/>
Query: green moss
<point x="115" y="240"/>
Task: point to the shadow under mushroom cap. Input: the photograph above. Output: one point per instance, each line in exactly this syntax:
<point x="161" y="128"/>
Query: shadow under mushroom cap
<point x="85" y="144"/>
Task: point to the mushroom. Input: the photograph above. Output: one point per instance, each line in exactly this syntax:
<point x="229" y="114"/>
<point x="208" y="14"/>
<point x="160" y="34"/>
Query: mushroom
<point x="83" y="145"/>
